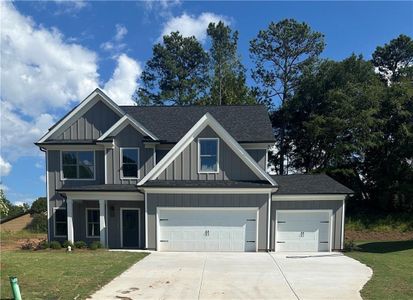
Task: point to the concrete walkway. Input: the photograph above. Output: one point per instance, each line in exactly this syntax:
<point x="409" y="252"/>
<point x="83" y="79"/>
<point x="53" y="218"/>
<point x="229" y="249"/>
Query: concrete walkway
<point x="163" y="275"/>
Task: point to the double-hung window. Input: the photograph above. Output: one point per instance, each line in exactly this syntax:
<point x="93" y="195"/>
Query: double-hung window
<point x="78" y="164"/>
<point x="92" y="221"/>
<point x="129" y="163"/>
<point x="60" y="222"/>
<point x="208" y="155"/>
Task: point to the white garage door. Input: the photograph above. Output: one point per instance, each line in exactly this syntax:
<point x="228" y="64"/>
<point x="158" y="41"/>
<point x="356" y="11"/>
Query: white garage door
<point x="205" y="229"/>
<point x="303" y="230"/>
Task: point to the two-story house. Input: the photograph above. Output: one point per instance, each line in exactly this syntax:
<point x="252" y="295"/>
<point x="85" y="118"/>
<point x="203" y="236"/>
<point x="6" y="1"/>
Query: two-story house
<point x="181" y="179"/>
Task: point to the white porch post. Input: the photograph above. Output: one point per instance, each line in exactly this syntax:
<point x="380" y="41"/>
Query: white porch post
<point x="69" y="211"/>
<point x="102" y="222"/>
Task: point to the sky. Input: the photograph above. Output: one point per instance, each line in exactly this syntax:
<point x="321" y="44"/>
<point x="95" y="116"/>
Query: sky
<point x="55" y="53"/>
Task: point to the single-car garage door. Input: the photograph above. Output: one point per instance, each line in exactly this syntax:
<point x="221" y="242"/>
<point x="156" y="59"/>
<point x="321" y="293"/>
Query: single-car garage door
<point x="307" y="230"/>
<point x="207" y="229"/>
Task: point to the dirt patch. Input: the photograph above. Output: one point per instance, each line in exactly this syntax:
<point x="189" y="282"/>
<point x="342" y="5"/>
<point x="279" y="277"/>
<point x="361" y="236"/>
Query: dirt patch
<point x="17" y="243"/>
<point x="378" y="236"/>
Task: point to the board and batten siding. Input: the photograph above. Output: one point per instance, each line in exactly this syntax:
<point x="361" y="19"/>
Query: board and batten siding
<point x="208" y="200"/>
<point x="128" y="138"/>
<point x="91" y="125"/>
<point x="259" y="155"/>
<point x="185" y="166"/>
<point x="335" y="205"/>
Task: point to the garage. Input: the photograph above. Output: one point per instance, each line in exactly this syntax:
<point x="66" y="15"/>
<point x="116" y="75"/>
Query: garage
<point x="207" y="229"/>
<point x="304" y="230"/>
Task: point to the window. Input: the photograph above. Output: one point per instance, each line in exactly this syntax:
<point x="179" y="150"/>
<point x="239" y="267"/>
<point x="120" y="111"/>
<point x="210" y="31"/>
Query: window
<point x="130" y="162"/>
<point x="78" y="164"/>
<point x="208" y="155"/>
<point x="60" y="222"/>
<point x="92" y="221"/>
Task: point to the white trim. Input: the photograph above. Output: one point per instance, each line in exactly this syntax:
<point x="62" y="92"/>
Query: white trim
<point x="69" y="212"/>
<point x="297" y="197"/>
<point x="199" y="155"/>
<point x="102" y="195"/>
<point x="54" y="221"/>
<point x="269" y="223"/>
<point x="106" y="224"/>
<point x="87" y="103"/>
<point x="343" y="215"/>
<point x="75" y="147"/>
<point x="47" y="195"/>
<point x="137" y="163"/>
<point x="121" y="224"/>
<point x="87" y="222"/>
<point x="204" y="121"/>
<point x="256" y="146"/>
<point x="77" y="179"/>
<point x="150" y="190"/>
<point x="146" y="220"/>
<point x="122" y="123"/>
<point x="266" y="160"/>
<point x="106" y="165"/>
<point x="252" y="208"/>
<point x="330" y="215"/>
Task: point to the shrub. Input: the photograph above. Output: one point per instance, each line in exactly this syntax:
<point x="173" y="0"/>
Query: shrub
<point x="80" y="245"/>
<point x="95" y="245"/>
<point x="55" y="245"/>
<point x="349" y="246"/>
<point x="67" y="244"/>
<point x="42" y="245"/>
<point x="27" y="245"/>
<point x="39" y="223"/>
<point x="39" y="205"/>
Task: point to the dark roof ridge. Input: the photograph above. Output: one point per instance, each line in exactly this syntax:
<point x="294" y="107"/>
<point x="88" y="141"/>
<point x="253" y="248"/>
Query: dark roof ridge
<point x="194" y="105"/>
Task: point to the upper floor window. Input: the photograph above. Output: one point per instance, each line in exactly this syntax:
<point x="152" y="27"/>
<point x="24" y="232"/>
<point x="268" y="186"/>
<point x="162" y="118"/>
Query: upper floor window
<point x="92" y="221"/>
<point x="129" y="162"/>
<point x="208" y="155"/>
<point x="78" y="164"/>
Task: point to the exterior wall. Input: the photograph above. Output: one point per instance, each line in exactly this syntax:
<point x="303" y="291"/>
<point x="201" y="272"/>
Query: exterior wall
<point x="96" y="121"/>
<point x="114" y="221"/>
<point x="17" y="224"/>
<point x="185" y="166"/>
<point x="335" y="205"/>
<point x="128" y="137"/>
<point x="259" y="155"/>
<point x="208" y="200"/>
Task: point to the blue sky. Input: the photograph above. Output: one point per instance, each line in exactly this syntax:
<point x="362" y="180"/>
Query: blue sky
<point x="55" y="53"/>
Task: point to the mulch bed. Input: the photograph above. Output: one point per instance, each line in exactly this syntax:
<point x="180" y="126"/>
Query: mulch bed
<point x="378" y="236"/>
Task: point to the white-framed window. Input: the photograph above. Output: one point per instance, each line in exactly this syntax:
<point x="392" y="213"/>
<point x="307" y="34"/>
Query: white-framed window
<point x="92" y="223"/>
<point x="60" y="221"/>
<point x="77" y="165"/>
<point x="208" y="155"/>
<point x="129" y="162"/>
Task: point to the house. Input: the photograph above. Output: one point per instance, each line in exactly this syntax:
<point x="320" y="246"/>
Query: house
<point x="182" y="179"/>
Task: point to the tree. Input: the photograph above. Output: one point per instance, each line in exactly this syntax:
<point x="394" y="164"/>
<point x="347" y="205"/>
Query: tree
<point x="9" y="209"/>
<point x="281" y="54"/>
<point x="177" y="73"/>
<point x="228" y="84"/>
<point x="4" y="207"/>
<point x="395" y="59"/>
<point x="39" y="205"/>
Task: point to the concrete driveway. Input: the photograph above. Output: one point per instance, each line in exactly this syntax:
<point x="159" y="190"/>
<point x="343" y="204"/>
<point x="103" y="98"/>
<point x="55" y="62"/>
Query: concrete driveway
<point x="163" y="275"/>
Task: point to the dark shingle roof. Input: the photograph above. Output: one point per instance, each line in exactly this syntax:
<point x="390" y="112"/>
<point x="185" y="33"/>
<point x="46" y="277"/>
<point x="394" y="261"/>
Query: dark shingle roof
<point x="170" y="123"/>
<point x="208" y="183"/>
<point x="309" y="184"/>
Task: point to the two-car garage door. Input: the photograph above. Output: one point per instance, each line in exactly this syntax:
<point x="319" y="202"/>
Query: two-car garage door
<point x="207" y="229"/>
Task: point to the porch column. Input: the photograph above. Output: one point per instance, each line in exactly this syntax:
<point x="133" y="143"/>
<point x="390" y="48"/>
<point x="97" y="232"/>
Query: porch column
<point x="69" y="211"/>
<point x="102" y="222"/>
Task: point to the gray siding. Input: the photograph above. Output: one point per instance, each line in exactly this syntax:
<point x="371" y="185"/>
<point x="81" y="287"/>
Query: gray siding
<point x="96" y="121"/>
<point x="208" y="200"/>
<point x="128" y="137"/>
<point x="185" y="166"/>
<point x="335" y="205"/>
<point x="259" y="155"/>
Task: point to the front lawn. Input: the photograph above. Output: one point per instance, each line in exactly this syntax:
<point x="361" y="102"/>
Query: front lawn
<point x="392" y="264"/>
<point x="56" y="274"/>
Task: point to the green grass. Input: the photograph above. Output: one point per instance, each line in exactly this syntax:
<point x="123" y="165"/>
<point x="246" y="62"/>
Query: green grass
<point x="56" y="274"/>
<point x="7" y="236"/>
<point x="392" y="264"/>
<point x="402" y="222"/>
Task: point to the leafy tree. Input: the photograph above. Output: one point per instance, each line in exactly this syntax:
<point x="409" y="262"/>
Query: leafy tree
<point x="177" y="73"/>
<point x="39" y="205"/>
<point x="228" y="84"/>
<point x="395" y="59"/>
<point x="9" y="209"/>
<point x="281" y="54"/>
<point x="4" y="205"/>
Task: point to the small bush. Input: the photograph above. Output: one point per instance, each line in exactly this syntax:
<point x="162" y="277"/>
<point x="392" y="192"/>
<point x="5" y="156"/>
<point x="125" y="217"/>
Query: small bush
<point x="95" y="245"/>
<point x="80" y="245"/>
<point x="38" y="223"/>
<point x="42" y="245"/>
<point x="349" y="246"/>
<point x="55" y="245"/>
<point x="28" y="245"/>
<point x="67" y="244"/>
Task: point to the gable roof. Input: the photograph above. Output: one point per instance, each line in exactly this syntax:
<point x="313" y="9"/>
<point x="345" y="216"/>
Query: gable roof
<point x="245" y="123"/>
<point x="122" y="123"/>
<point x="203" y="122"/>
<point x="309" y="184"/>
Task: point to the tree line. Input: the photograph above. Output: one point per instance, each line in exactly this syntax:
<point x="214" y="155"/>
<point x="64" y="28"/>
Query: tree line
<point x="352" y="119"/>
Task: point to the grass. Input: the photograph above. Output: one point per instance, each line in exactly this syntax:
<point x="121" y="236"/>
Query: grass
<point x="56" y="274"/>
<point x="392" y="264"/>
<point x="401" y="222"/>
<point x="7" y="236"/>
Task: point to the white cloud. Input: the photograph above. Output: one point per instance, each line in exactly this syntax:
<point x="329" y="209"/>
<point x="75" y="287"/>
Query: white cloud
<point x="115" y="45"/>
<point x="124" y="80"/>
<point x="38" y="165"/>
<point x="189" y="25"/>
<point x="121" y="31"/>
<point x="5" y="167"/>
<point x="3" y="187"/>
<point x="43" y="178"/>
<point x="70" y="6"/>
<point x="162" y="8"/>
